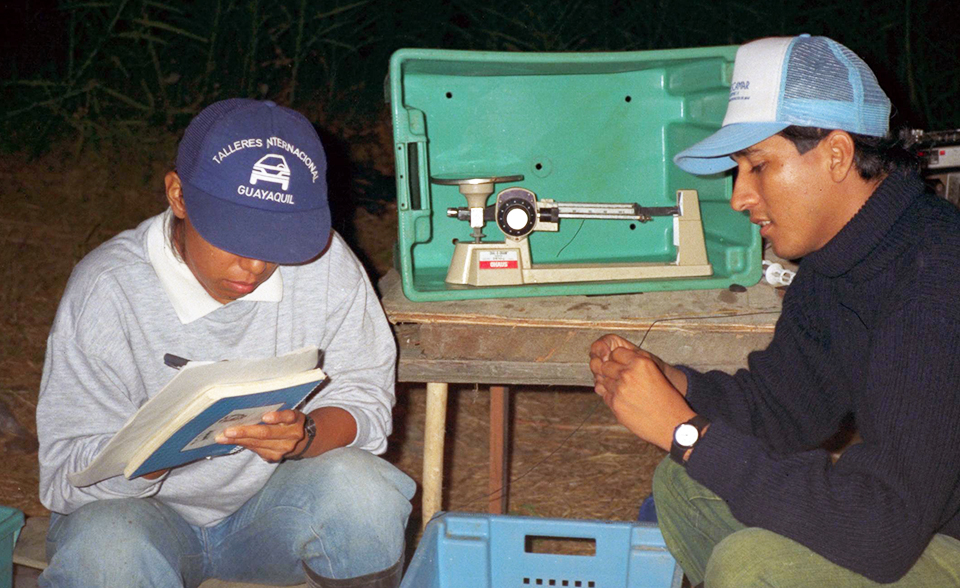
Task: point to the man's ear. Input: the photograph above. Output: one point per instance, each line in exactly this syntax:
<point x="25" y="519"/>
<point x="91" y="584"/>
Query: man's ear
<point x="175" y="194"/>
<point x="839" y="145"/>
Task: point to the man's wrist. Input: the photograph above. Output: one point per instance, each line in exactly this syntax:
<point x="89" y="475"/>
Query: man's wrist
<point x="677" y="377"/>
<point x="686" y="436"/>
<point x="309" y="432"/>
<point x="689" y="452"/>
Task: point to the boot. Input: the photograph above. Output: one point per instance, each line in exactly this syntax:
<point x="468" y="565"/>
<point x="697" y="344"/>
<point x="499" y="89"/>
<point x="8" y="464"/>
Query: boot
<point x="388" y="578"/>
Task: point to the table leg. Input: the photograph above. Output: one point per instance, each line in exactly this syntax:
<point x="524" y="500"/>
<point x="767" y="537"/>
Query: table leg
<point x="499" y="441"/>
<point x="433" y="434"/>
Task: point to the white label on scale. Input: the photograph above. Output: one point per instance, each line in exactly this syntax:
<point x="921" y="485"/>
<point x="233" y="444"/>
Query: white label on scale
<point x="499" y="259"/>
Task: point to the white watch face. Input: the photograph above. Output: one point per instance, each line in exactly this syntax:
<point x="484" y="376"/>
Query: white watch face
<point x="686" y="435"/>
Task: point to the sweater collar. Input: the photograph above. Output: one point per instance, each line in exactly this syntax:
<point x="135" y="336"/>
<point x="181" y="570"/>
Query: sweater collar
<point x="869" y="226"/>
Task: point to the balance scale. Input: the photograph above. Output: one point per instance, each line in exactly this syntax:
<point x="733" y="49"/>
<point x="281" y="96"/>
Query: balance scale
<point x="518" y="212"/>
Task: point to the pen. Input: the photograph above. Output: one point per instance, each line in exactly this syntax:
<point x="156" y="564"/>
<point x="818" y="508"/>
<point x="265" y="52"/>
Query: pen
<point x="177" y="362"/>
<point x="174" y="361"/>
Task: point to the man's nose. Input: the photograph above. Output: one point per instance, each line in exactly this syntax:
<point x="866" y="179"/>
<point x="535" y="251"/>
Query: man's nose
<point x="744" y="196"/>
<point x="254" y="266"/>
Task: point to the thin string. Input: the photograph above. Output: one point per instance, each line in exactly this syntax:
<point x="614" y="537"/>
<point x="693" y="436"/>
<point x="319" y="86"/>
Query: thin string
<point x="571" y="238"/>
<point x="599" y="401"/>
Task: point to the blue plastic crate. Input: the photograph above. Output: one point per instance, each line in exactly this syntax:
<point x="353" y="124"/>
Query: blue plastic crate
<point x="11" y="520"/>
<point x="466" y="550"/>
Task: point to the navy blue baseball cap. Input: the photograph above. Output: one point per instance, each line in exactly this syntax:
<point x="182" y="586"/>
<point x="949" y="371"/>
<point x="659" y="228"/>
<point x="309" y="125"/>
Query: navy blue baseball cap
<point x="254" y="181"/>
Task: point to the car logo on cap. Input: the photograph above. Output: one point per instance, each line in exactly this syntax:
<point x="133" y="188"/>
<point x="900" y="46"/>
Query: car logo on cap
<point x="271" y="168"/>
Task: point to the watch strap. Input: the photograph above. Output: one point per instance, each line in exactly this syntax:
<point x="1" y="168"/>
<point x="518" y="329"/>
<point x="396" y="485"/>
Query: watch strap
<point x="677" y="451"/>
<point x="310" y="431"/>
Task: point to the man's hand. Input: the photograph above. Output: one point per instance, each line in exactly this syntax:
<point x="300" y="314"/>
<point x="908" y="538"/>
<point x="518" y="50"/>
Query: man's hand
<point x="281" y="433"/>
<point x="633" y="384"/>
<point x="604" y="346"/>
<point x="278" y="435"/>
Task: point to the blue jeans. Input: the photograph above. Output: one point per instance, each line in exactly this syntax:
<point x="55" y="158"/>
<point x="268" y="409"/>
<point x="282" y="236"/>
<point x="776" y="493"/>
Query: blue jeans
<point x="342" y="514"/>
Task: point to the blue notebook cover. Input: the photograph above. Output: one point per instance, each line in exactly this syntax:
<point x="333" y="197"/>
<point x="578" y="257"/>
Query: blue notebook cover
<point x="194" y="440"/>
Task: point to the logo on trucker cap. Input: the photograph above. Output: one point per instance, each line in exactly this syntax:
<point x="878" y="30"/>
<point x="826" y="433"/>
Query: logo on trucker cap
<point x="755" y="88"/>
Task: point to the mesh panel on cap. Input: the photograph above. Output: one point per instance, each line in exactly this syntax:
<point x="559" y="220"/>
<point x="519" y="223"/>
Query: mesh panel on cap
<point x="188" y="152"/>
<point x="829" y="86"/>
<point x="814" y="72"/>
<point x="872" y="94"/>
<point x="875" y="111"/>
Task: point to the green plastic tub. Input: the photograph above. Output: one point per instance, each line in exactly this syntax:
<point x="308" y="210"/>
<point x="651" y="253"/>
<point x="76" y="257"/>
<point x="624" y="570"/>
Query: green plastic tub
<point x="11" y="520"/>
<point x="580" y="127"/>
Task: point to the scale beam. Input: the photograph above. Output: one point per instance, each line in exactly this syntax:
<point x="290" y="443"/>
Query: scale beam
<point x="613" y="211"/>
<point x="518" y="213"/>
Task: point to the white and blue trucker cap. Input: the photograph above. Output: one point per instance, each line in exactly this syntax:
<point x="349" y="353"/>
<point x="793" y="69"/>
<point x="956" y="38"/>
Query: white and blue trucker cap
<point x="783" y="81"/>
<point x="254" y="181"/>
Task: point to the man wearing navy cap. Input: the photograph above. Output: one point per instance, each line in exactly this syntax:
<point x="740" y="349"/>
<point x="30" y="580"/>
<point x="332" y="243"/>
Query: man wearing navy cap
<point x="869" y="330"/>
<point x="242" y="265"/>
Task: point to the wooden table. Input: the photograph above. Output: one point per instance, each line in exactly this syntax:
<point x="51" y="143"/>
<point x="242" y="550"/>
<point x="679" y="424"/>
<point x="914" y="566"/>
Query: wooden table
<point x="545" y="341"/>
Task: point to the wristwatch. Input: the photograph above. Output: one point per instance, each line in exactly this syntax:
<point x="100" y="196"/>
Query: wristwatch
<point x="685" y="436"/>
<point x="310" y="431"/>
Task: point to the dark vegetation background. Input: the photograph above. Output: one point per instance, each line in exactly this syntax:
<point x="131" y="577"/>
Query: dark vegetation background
<point x="109" y="68"/>
<point x="96" y="92"/>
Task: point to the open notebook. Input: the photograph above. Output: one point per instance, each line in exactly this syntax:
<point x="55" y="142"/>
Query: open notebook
<point x="180" y="424"/>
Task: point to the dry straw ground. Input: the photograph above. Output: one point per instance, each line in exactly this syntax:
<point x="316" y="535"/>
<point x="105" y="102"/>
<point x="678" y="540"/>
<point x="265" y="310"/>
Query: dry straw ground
<point x="569" y="458"/>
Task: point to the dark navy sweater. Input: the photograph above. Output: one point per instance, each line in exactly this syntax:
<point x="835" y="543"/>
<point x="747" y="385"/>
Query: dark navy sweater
<point x="870" y="326"/>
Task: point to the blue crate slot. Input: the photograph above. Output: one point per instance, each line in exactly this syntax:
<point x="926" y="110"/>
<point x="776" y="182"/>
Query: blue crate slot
<point x="460" y="550"/>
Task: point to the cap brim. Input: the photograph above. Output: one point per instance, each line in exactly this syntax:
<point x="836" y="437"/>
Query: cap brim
<point x="277" y="237"/>
<point x="712" y="155"/>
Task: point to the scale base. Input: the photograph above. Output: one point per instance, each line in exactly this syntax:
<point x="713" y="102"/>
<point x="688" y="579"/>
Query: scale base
<point x="501" y="264"/>
<point x="509" y="264"/>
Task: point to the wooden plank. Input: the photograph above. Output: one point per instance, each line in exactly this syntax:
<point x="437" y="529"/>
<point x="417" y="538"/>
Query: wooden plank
<point x="499" y="441"/>
<point x="755" y="309"/>
<point x="460" y="354"/>
<point x="469" y="372"/>
<point x="546" y="345"/>
<point x="524" y="374"/>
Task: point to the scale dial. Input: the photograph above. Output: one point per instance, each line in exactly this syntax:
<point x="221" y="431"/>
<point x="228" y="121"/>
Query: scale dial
<point x="516" y="212"/>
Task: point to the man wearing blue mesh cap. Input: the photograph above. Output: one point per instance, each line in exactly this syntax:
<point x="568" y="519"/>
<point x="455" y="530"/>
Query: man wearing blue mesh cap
<point x="868" y="331"/>
<point x="243" y="264"/>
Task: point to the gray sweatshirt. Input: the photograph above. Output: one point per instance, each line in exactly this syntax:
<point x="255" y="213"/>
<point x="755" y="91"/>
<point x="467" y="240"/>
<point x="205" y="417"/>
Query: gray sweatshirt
<point x="129" y="302"/>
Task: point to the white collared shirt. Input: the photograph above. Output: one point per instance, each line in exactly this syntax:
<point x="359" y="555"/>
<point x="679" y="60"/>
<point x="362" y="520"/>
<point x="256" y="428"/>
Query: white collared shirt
<point x="188" y="297"/>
